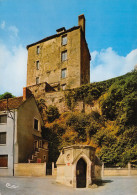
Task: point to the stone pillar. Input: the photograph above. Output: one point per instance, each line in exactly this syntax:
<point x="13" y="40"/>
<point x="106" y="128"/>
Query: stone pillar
<point x="129" y="169"/>
<point x="88" y="179"/>
<point x="102" y="172"/>
<point x="52" y="168"/>
<point x="45" y="168"/>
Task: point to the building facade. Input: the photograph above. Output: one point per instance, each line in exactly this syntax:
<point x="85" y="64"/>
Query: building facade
<point x="78" y="166"/>
<point x="61" y="60"/>
<point x="20" y="134"/>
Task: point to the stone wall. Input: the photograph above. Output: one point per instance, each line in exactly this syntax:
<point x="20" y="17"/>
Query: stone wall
<point x="57" y="98"/>
<point x="30" y="169"/>
<point x="50" y="63"/>
<point x="85" y="61"/>
<point x="119" y="172"/>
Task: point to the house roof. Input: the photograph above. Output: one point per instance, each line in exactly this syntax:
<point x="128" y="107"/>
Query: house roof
<point x="13" y="103"/>
<point x="53" y="36"/>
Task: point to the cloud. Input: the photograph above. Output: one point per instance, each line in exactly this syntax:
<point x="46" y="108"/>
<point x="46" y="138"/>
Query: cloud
<point x="13" y="66"/>
<point x="11" y="30"/>
<point x="14" y="30"/>
<point x="2" y="25"/>
<point x="107" y="64"/>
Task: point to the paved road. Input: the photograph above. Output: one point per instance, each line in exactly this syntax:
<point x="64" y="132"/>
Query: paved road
<point x="48" y="186"/>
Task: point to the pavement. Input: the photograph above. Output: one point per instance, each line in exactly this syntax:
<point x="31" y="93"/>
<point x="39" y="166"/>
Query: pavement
<point x="47" y="186"/>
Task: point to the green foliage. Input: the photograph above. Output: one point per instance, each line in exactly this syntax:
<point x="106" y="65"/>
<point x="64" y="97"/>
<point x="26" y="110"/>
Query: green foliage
<point x="6" y="95"/>
<point x="53" y="143"/>
<point x="79" y="122"/>
<point x="113" y="130"/>
<point x="86" y="93"/>
<point x="120" y="101"/>
<point x="41" y="104"/>
<point x="52" y="113"/>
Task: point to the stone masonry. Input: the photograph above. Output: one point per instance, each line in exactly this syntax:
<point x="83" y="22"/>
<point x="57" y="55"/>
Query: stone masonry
<point x="62" y="60"/>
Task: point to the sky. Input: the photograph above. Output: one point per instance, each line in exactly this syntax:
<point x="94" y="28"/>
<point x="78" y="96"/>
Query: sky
<point x="111" y="34"/>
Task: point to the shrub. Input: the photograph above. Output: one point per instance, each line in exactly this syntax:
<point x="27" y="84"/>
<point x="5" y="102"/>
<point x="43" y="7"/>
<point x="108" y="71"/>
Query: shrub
<point x="52" y="113"/>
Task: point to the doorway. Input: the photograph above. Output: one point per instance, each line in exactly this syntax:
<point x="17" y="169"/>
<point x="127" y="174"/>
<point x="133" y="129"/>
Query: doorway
<point x="81" y="169"/>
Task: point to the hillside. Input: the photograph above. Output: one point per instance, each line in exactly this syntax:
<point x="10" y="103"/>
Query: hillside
<point x="111" y="128"/>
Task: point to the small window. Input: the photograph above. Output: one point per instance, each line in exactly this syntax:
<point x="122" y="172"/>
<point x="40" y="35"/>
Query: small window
<point x="37" y="65"/>
<point x="3" y="138"/>
<point x="63" y="87"/>
<point x="38" y="49"/>
<point x="63" y="73"/>
<point x="35" y="124"/>
<point x="37" y="80"/>
<point x="64" y="40"/>
<point x="3" y="118"/>
<point x="64" y="56"/>
<point x="3" y="160"/>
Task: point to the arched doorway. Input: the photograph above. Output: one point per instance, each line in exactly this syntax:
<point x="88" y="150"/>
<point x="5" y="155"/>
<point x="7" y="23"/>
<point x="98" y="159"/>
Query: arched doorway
<point x="81" y="170"/>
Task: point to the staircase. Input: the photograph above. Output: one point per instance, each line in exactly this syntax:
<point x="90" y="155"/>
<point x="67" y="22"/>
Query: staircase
<point x="38" y="156"/>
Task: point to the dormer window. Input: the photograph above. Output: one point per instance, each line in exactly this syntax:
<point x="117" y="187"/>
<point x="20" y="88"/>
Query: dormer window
<point x="38" y="49"/>
<point x="64" y="40"/>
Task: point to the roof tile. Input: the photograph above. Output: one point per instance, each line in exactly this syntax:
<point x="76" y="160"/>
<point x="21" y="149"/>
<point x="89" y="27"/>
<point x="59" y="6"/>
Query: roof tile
<point x="12" y="103"/>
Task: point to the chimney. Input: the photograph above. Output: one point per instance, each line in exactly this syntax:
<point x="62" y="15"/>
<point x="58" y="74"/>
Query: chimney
<point x="81" y="22"/>
<point x="26" y="93"/>
<point x="60" y="30"/>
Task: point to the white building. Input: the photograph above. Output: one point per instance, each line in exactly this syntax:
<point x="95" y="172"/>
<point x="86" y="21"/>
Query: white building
<point x="20" y="133"/>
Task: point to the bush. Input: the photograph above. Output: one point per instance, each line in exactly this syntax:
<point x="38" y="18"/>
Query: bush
<point x="52" y="113"/>
<point x="79" y="122"/>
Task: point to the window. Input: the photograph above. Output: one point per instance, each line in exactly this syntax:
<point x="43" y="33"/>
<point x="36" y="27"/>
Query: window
<point x="3" y="160"/>
<point x="3" y="138"/>
<point x="37" y="65"/>
<point x="3" y="118"/>
<point x="63" y="73"/>
<point x="37" y="80"/>
<point x="64" y="56"/>
<point x="38" y="49"/>
<point x="63" y="86"/>
<point x="35" y="124"/>
<point x="64" y="40"/>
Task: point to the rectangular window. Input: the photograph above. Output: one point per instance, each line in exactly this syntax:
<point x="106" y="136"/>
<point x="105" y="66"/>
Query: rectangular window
<point x="37" y="80"/>
<point x="37" y="65"/>
<point x="38" y="49"/>
<point x="64" y="40"/>
<point x="36" y="123"/>
<point x="63" y="73"/>
<point x="64" y="56"/>
<point x="3" y="138"/>
<point x="3" y="118"/>
<point x="3" y="160"/>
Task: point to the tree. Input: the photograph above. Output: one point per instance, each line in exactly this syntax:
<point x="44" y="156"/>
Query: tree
<point x="6" y="95"/>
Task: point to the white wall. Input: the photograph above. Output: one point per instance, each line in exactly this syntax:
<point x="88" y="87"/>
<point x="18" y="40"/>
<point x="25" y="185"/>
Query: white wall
<point x="7" y="149"/>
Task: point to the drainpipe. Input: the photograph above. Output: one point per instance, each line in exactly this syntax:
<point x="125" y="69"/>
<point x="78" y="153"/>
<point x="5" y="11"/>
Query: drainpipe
<point x="13" y="137"/>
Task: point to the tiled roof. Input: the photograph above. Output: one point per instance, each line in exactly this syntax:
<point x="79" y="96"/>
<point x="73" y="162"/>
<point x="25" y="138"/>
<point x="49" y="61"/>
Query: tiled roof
<point x="12" y="103"/>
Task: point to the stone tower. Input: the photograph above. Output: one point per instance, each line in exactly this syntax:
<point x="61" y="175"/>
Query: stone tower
<point x="61" y="60"/>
